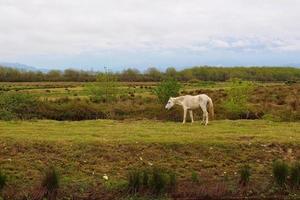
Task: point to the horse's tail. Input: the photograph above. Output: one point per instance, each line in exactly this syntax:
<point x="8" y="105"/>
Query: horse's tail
<point x="211" y="108"/>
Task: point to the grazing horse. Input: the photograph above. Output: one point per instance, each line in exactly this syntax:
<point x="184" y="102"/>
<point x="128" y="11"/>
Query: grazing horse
<point x="190" y="103"/>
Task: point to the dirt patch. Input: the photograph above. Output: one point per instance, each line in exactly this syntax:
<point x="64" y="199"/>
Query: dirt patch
<point x="81" y="166"/>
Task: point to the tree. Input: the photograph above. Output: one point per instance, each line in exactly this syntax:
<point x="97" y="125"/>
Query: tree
<point x="71" y="75"/>
<point x="130" y="75"/>
<point x="54" y="75"/>
<point x="153" y="74"/>
<point x="171" y="72"/>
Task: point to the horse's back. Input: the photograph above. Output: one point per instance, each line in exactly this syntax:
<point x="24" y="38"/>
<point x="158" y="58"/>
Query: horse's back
<point x="192" y="101"/>
<point x="197" y="98"/>
<point x="203" y="97"/>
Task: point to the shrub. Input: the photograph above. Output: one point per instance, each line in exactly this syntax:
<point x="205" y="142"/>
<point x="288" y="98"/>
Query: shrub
<point x="172" y="181"/>
<point x="71" y="110"/>
<point x="295" y="175"/>
<point x="115" y="185"/>
<point x="6" y="115"/>
<point x="195" y="177"/>
<point x="167" y="89"/>
<point x="3" y="179"/>
<point x="145" y="178"/>
<point x="206" y="83"/>
<point x="158" y="182"/>
<point x="271" y="117"/>
<point x="237" y="103"/>
<point x="154" y="180"/>
<point x="49" y="185"/>
<point x="105" y="89"/>
<point x="134" y="181"/>
<point x="51" y="179"/>
<point x="194" y="80"/>
<point x="17" y="106"/>
<point x="280" y="172"/>
<point x="290" y="82"/>
<point x="245" y="174"/>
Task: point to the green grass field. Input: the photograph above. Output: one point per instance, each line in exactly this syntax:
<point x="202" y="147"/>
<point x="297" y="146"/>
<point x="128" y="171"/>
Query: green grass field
<point x="84" y="151"/>
<point x="129" y="131"/>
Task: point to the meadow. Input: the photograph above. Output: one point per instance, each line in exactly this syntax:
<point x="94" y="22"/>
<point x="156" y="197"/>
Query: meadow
<point x="86" y="140"/>
<point x="84" y="151"/>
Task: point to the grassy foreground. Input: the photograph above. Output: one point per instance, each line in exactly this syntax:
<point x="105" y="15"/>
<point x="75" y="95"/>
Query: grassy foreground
<point x="84" y="151"/>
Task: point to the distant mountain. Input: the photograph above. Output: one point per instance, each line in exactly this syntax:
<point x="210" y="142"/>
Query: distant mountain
<point x="293" y="65"/>
<point x="21" y="66"/>
<point x="296" y="65"/>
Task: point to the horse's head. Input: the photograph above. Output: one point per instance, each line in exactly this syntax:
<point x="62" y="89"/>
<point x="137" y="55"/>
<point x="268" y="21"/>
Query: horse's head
<point x="170" y="103"/>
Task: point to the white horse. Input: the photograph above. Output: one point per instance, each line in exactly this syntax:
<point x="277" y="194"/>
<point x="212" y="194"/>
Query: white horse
<point x="190" y="103"/>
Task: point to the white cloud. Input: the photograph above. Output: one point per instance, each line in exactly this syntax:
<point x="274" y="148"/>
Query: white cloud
<point x="73" y="27"/>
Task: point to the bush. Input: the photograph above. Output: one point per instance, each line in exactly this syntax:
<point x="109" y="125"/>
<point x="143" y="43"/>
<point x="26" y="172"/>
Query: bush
<point x="17" y="106"/>
<point x="7" y="115"/>
<point x="172" y="181"/>
<point x="158" y="182"/>
<point x="3" y="179"/>
<point x="195" y="177"/>
<point x="71" y="110"/>
<point x="245" y="174"/>
<point x="290" y="82"/>
<point x="49" y="185"/>
<point x="191" y="81"/>
<point x="145" y="178"/>
<point x="50" y="180"/>
<point x="295" y="175"/>
<point x="105" y="89"/>
<point x="134" y="181"/>
<point x="206" y="84"/>
<point x="154" y="180"/>
<point x="280" y="172"/>
<point x="237" y="103"/>
<point x="167" y="89"/>
<point x="271" y="117"/>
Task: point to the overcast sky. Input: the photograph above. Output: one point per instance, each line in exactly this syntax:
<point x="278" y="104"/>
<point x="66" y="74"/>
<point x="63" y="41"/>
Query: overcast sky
<point x="141" y="33"/>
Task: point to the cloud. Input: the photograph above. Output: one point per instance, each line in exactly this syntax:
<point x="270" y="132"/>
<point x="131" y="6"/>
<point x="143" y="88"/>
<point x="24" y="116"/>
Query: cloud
<point x="219" y="44"/>
<point x="69" y="28"/>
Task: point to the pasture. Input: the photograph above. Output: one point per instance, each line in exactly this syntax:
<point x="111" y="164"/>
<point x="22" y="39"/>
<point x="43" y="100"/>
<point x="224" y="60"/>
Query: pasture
<point x="84" y="151"/>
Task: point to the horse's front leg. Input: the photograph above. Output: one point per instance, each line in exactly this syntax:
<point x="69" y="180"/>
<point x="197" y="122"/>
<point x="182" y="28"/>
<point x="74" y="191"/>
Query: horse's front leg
<point x="184" y="115"/>
<point x="203" y="118"/>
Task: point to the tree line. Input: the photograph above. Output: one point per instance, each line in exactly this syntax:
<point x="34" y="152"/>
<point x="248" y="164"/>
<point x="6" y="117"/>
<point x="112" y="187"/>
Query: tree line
<point x="202" y="73"/>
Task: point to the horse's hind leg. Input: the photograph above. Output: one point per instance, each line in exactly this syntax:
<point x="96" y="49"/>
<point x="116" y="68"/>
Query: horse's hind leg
<point x="191" y="115"/>
<point x="205" y="114"/>
<point x="203" y="119"/>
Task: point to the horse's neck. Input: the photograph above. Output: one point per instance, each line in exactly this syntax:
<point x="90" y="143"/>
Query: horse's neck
<point x="179" y="100"/>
